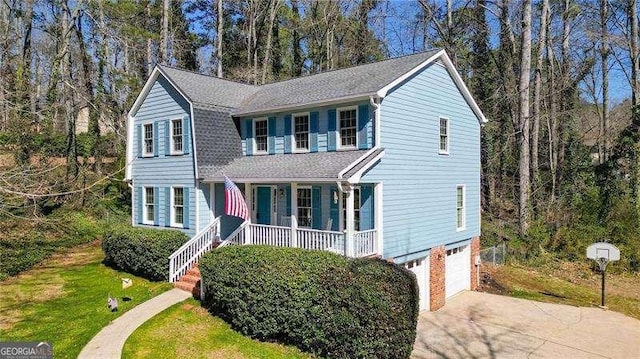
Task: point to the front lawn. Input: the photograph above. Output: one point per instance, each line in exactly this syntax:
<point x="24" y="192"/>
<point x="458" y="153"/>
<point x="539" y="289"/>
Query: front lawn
<point x="63" y="300"/>
<point x="187" y="330"/>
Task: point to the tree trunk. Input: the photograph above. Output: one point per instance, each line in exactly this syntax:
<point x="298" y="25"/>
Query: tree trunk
<point x="266" y="64"/>
<point x="164" y="46"/>
<point x="552" y="121"/>
<point x="149" y="42"/>
<point x="635" y="54"/>
<point x="219" y="37"/>
<point x="604" y="63"/>
<point x="537" y="98"/>
<point x="523" y="118"/>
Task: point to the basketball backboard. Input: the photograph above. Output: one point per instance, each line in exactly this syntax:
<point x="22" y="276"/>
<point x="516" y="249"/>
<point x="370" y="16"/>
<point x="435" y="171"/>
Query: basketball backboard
<point x="603" y="250"/>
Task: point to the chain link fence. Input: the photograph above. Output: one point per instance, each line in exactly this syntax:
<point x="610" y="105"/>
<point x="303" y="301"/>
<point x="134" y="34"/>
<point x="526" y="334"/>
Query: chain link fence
<point x="495" y="255"/>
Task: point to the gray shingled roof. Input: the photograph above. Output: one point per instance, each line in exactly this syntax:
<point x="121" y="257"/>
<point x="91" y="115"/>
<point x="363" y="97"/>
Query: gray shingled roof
<point x="208" y="90"/>
<point x="348" y="82"/>
<point x="311" y="166"/>
<point x="217" y="139"/>
<point x="362" y="80"/>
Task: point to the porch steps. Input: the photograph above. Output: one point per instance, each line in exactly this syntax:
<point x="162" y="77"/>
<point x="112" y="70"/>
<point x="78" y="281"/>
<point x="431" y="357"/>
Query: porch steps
<point x="190" y="282"/>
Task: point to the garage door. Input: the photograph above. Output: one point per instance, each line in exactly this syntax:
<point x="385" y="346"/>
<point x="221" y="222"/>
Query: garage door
<point x="420" y="267"/>
<point x="457" y="270"/>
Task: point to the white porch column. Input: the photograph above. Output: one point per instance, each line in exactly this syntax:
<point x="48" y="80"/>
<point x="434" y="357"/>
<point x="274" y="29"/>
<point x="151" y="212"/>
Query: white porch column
<point x="377" y="211"/>
<point x="248" y="195"/>
<point x="349" y="244"/>
<point x="294" y="215"/>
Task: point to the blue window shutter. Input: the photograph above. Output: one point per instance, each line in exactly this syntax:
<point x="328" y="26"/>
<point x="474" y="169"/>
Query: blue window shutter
<point x="187" y="205"/>
<point x="331" y="131"/>
<point x="366" y="208"/>
<point x="248" y="125"/>
<point x="156" y="206"/>
<point x="155" y="138"/>
<point x="138" y="140"/>
<point x="287" y="134"/>
<point x="313" y="129"/>
<point x="140" y="200"/>
<point x="167" y="206"/>
<point x="186" y="135"/>
<point x="167" y="137"/>
<point x="272" y="135"/>
<point x="334" y="209"/>
<point x="316" y="211"/>
<point x="288" y="200"/>
<point x="363" y="119"/>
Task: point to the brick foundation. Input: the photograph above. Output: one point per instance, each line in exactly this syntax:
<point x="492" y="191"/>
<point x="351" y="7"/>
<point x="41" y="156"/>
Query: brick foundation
<point x="437" y="259"/>
<point x="475" y="252"/>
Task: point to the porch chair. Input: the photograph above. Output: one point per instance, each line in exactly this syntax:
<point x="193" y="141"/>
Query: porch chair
<point x="329" y="224"/>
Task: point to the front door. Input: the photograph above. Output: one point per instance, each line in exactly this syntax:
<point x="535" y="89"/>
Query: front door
<point x="263" y="205"/>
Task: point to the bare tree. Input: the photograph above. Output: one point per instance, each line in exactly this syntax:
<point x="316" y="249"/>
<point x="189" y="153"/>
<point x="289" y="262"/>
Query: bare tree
<point x="219" y="37"/>
<point x="523" y="117"/>
<point x="537" y="98"/>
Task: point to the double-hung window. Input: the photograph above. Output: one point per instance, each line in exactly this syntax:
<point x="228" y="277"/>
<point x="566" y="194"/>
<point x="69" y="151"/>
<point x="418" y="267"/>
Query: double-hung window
<point x="148" y="205"/>
<point x="460" y="208"/>
<point x="444" y="136"/>
<point x="261" y="133"/>
<point x="301" y="132"/>
<point x="176" y="137"/>
<point x="304" y="207"/>
<point x="356" y="208"/>
<point x="147" y="139"/>
<point x="177" y="206"/>
<point x="348" y="119"/>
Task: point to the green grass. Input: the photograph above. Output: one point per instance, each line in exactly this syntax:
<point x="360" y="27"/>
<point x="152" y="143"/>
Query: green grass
<point x="571" y="285"/>
<point x="187" y="330"/>
<point x="63" y="300"/>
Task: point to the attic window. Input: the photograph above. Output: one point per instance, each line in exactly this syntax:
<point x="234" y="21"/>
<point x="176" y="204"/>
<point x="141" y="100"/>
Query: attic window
<point x="301" y="126"/>
<point x="260" y="130"/>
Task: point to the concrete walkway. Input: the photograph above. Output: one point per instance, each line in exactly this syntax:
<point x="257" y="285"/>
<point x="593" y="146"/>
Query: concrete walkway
<point x="108" y="343"/>
<point x="481" y="325"/>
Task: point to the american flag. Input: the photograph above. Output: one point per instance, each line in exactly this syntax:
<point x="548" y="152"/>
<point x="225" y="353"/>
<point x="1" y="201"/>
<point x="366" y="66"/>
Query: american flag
<point x="234" y="204"/>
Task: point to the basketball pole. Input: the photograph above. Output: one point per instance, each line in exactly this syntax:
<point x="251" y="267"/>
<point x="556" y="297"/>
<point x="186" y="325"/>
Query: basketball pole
<point x="602" y="301"/>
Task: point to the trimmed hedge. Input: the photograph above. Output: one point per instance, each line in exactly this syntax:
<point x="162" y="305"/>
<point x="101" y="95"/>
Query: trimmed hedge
<point x="321" y="302"/>
<point x="141" y="251"/>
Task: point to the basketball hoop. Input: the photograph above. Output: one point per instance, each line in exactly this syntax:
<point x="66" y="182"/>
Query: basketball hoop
<point x="603" y="253"/>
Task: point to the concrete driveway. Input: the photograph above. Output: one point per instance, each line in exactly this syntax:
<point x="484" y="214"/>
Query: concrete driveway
<point x="481" y="325"/>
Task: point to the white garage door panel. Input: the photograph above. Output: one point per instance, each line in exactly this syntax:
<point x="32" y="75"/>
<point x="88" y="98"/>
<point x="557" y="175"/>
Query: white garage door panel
<point x="420" y="268"/>
<point x="457" y="270"/>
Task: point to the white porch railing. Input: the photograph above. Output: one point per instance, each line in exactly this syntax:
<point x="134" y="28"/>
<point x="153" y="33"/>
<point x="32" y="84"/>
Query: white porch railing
<point x="321" y="240"/>
<point x="184" y="257"/>
<point x="365" y="243"/>
<point x="270" y="235"/>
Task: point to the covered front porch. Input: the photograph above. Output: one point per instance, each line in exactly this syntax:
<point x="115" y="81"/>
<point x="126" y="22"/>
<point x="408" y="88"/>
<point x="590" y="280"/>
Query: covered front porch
<point x="336" y="217"/>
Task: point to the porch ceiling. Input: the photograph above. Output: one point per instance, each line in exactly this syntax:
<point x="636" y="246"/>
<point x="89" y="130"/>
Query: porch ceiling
<point x="316" y="166"/>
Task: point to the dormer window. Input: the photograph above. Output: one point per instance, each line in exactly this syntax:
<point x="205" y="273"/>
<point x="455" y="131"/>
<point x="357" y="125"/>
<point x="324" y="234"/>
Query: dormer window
<point x="348" y="120"/>
<point x="301" y="133"/>
<point x="261" y="132"/>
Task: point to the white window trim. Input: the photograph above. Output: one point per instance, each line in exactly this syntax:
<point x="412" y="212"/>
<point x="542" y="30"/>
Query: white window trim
<point x="294" y="147"/>
<point x="339" y="145"/>
<point x="440" y="151"/>
<point x="171" y="141"/>
<point x="173" y="213"/>
<point x="143" y="144"/>
<point x="144" y="206"/>
<point x="464" y="208"/>
<point x="310" y="188"/>
<point x="255" y="143"/>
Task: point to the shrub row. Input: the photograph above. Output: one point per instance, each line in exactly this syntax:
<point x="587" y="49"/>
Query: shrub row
<point x="141" y="251"/>
<point x="322" y="303"/>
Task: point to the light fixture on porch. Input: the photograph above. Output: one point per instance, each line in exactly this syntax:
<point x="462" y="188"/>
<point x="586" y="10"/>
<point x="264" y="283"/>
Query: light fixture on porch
<point x="335" y="196"/>
<point x="281" y="193"/>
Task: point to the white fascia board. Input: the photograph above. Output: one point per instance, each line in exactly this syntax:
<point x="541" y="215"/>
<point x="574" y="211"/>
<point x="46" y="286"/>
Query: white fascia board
<point x="276" y="180"/>
<point x="356" y="162"/>
<point x="358" y="175"/>
<point x="383" y="91"/>
<point x="145" y="91"/>
<point x="306" y="105"/>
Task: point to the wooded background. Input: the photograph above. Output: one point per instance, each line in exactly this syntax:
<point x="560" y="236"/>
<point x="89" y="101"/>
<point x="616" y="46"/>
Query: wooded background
<point x="559" y="155"/>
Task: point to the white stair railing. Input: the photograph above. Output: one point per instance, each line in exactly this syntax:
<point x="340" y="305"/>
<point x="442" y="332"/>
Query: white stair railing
<point x="184" y="257"/>
<point x="237" y="237"/>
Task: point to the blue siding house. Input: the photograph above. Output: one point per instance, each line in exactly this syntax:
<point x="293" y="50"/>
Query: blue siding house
<point x="381" y="159"/>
